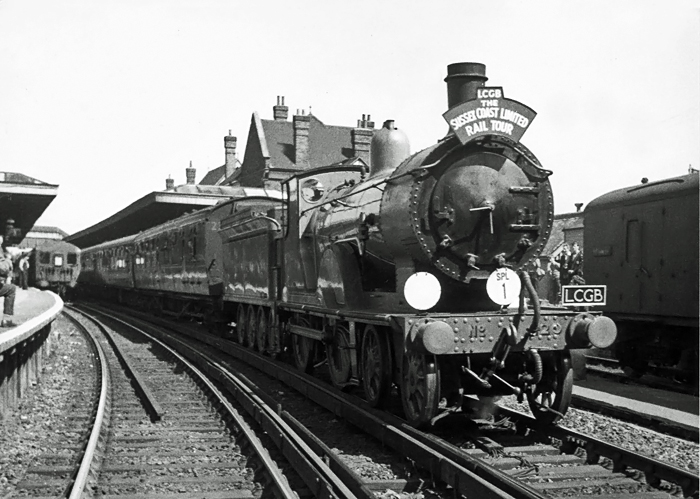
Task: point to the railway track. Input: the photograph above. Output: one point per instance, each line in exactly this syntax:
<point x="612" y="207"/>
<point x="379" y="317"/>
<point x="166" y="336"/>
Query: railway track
<point x="161" y="428"/>
<point x="513" y="458"/>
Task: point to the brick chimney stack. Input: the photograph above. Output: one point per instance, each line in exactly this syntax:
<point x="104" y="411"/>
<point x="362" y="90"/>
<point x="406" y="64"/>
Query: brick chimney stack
<point x="362" y="139"/>
<point x="302" y="123"/>
<point x="280" y="111"/>
<point x="190" y="174"/>
<point x="230" y="147"/>
<point x="169" y="183"/>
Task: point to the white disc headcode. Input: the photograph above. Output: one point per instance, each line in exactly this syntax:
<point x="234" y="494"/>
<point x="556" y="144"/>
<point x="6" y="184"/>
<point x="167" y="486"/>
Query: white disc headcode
<point x="503" y="286"/>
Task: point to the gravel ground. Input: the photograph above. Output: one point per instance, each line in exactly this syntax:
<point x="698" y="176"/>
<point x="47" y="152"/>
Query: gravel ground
<point x="23" y="432"/>
<point x="681" y="453"/>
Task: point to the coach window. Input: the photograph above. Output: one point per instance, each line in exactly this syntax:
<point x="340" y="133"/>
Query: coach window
<point x="44" y="258"/>
<point x="58" y="260"/>
<point x="72" y="258"/>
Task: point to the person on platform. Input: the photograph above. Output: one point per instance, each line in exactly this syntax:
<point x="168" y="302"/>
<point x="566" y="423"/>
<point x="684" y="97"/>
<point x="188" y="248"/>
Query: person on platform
<point x="24" y="272"/>
<point x="7" y="289"/>
<point x="553" y="276"/>
<point x="564" y="264"/>
<point x="536" y="274"/>
<point x="576" y="266"/>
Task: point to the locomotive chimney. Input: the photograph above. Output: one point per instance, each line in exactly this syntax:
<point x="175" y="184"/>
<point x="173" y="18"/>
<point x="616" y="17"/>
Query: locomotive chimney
<point x="190" y="173"/>
<point x="230" y="147"/>
<point x="169" y="183"/>
<point x="280" y="111"/>
<point x="463" y="79"/>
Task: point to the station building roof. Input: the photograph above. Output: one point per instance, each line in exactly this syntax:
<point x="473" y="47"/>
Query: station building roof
<point x="23" y="199"/>
<point x="42" y="235"/>
<point x="275" y="150"/>
<point x="153" y="209"/>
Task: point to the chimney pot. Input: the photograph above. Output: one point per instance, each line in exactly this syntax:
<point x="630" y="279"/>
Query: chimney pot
<point x="190" y="173"/>
<point x="578" y="206"/>
<point x="302" y="125"/>
<point x="169" y="183"/>
<point x="280" y="111"/>
<point x="230" y="150"/>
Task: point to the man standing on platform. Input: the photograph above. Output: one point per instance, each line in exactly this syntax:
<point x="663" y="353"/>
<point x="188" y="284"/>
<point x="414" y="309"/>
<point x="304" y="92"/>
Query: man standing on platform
<point x="7" y="289"/>
<point x="576" y="266"/>
<point x="24" y="272"/>
<point x="563" y="262"/>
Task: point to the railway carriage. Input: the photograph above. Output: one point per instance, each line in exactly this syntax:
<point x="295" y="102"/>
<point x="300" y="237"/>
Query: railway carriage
<point x="643" y="242"/>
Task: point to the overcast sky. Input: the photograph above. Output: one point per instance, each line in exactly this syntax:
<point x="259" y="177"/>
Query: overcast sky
<point x="108" y="98"/>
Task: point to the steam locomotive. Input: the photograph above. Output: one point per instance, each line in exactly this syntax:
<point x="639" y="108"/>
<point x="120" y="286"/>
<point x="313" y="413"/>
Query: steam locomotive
<point x="412" y="275"/>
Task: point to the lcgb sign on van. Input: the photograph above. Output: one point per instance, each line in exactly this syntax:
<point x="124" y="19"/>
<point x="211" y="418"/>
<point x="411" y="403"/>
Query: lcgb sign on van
<point x="584" y="296"/>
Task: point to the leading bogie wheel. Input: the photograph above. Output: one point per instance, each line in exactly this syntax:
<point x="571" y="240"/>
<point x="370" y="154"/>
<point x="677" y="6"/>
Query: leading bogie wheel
<point x="241" y="325"/>
<point x="550" y="398"/>
<point x="303" y="348"/>
<point x="338" y="355"/>
<point x="376" y="368"/>
<point x="420" y="388"/>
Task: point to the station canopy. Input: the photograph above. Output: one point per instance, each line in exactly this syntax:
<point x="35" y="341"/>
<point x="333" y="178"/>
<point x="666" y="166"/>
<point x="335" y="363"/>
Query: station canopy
<point x="23" y="199"/>
<point x="156" y="208"/>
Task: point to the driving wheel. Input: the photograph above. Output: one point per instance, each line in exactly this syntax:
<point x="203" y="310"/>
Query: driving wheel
<point x="338" y="355"/>
<point x="376" y="368"/>
<point x="302" y="348"/>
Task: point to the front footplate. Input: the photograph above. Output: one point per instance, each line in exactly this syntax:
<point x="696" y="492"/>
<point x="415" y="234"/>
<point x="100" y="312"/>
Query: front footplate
<point x="478" y="333"/>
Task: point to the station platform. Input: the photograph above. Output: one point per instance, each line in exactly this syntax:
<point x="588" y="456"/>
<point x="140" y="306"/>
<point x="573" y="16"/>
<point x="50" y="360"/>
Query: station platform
<point x="33" y="309"/>
<point x="670" y="412"/>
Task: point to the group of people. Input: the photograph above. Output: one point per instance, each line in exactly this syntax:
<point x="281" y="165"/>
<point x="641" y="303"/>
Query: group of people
<point x="566" y="269"/>
<point x="8" y="265"/>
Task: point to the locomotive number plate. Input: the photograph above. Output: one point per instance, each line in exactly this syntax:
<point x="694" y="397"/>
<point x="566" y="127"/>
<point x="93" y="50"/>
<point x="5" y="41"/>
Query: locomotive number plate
<point x="584" y="295"/>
